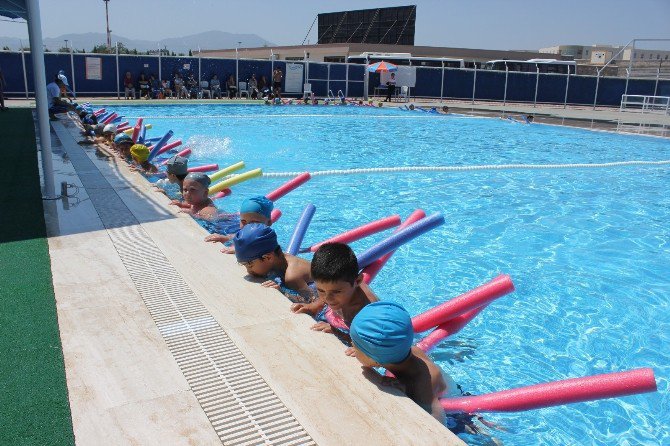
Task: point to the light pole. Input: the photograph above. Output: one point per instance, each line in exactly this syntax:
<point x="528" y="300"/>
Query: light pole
<point x="109" y="32"/>
<point x="237" y="67"/>
<point x="66" y="41"/>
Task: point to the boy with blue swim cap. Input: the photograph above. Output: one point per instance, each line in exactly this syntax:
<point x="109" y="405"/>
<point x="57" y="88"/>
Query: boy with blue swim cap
<point x="257" y="249"/>
<point x="256" y="209"/>
<point x="382" y="336"/>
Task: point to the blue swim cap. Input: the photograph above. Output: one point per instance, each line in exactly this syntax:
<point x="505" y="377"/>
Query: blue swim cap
<point x="383" y="332"/>
<point x="257" y="205"/>
<point x="122" y="138"/>
<point x="199" y="177"/>
<point x="254" y="241"/>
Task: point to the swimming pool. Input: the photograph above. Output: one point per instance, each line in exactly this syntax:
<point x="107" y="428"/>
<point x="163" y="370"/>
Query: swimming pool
<point x="587" y="248"/>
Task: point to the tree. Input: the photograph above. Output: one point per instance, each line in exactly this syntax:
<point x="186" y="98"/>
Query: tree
<point x="63" y="49"/>
<point x="190" y="54"/>
<point x="6" y="48"/>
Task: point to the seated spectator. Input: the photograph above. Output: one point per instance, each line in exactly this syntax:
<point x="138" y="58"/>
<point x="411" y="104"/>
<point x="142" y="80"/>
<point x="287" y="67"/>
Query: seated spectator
<point x="215" y="86"/>
<point x="166" y="88"/>
<point x="156" y="92"/>
<point x="192" y="87"/>
<point x="145" y="86"/>
<point x="231" y="85"/>
<point x="129" y="85"/>
<point x="264" y="87"/>
<point x="179" y="87"/>
<point x="253" y="87"/>
<point x="56" y="104"/>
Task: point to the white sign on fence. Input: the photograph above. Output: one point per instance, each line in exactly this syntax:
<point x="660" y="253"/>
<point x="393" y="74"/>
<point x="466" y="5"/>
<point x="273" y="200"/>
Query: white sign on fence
<point x="293" y="82"/>
<point x="94" y="68"/>
<point x="404" y="77"/>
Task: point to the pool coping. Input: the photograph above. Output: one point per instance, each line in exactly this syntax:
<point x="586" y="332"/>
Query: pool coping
<point x="329" y="396"/>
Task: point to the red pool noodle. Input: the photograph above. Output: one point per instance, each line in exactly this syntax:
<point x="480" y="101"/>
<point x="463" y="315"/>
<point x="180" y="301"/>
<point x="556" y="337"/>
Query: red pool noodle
<point x="371" y="271"/>
<point x="205" y="168"/>
<point x="288" y="186"/>
<point x="110" y="118"/>
<point x="557" y="393"/>
<point x="475" y="298"/>
<point x="275" y="215"/>
<point x="449" y="328"/>
<point x="136" y="130"/>
<point x="185" y="153"/>
<point x="122" y="124"/>
<point x="123" y="128"/>
<point x="223" y="193"/>
<point x="361" y="231"/>
<point x="167" y="147"/>
<point x="99" y="112"/>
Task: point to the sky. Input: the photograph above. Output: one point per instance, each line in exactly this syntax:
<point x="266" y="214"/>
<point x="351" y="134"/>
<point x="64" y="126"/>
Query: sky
<point x="488" y="24"/>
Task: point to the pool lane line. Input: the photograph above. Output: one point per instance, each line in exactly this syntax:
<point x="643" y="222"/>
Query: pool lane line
<point x="255" y="116"/>
<point x="470" y="168"/>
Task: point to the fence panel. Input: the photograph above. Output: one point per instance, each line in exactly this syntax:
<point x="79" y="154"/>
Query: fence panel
<point x="458" y="83"/>
<point x="490" y="85"/>
<point x="582" y="89"/>
<point x="642" y="87"/>
<point x="551" y="88"/>
<point x="12" y="68"/>
<point x="104" y="86"/>
<point x="521" y="87"/>
<point x="427" y="82"/>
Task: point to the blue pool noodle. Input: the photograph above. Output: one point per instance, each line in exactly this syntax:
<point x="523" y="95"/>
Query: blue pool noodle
<point x="103" y="117"/>
<point x="399" y="238"/>
<point x="300" y="229"/>
<point x="160" y="144"/>
<point x="117" y="119"/>
<point x="143" y="133"/>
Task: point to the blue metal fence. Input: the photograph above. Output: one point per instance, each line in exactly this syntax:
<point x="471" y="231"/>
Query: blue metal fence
<point x="445" y="83"/>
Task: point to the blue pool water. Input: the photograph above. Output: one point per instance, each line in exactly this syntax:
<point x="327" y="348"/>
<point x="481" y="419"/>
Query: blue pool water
<point x="588" y="249"/>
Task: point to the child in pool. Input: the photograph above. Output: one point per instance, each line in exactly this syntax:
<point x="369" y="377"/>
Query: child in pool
<point x="342" y="293"/>
<point x="197" y="203"/>
<point x="257" y="249"/>
<point x="253" y="210"/>
<point x="122" y="144"/>
<point x="140" y="155"/>
<point x="177" y="169"/>
<point x="382" y="336"/>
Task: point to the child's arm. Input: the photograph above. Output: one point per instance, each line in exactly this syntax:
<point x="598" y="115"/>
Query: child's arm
<point x="179" y="204"/>
<point x="218" y="238"/>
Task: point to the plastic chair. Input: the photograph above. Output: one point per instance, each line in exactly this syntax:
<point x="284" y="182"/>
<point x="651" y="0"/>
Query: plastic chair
<point x="242" y="89"/>
<point x="306" y="90"/>
<point x="404" y="93"/>
<point x="204" y="90"/>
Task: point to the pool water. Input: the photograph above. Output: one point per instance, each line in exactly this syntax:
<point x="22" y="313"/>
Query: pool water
<point x="588" y="249"/>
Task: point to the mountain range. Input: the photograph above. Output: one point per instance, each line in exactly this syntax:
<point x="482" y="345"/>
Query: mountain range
<point x="209" y="40"/>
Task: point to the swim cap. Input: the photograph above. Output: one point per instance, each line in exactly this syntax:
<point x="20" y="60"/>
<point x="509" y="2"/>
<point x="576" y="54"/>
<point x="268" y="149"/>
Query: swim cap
<point x="98" y="129"/>
<point x="88" y="119"/>
<point x="122" y="138"/>
<point x="140" y="152"/>
<point x="254" y="241"/>
<point x="383" y="332"/>
<point x="257" y="205"/>
<point x="109" y="128"/>
<point x="177" y="165"/>
<point x="200" y="177"/>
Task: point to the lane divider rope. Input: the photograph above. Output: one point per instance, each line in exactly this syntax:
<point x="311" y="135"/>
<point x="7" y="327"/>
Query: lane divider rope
<point x="469" y="168"/>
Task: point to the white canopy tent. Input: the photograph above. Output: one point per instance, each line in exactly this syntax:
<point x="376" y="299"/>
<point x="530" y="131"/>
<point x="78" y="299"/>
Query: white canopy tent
<point x="30" y="11"/>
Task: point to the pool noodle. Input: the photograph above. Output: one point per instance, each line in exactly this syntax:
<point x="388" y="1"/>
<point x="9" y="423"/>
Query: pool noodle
<point x="227" y="170"/>
<point x="205" y="168"/>
<point x="361" y="231"/>
<point x="154" y="139"/>
<point x="170" y="146"/>
<point x="223" y="193"/>
<point x="371" y="271"/>
<point x="143" y="134"/>
<point x="449" y="328"/>
<point x="102" y="117"/>
<point x="110" y="118"/>
<point x="159" y="145"/>
<point x="300" y="229"/>
<point x="557" y="393"/>
<point x="129" y="131"/>
<point x="99" y="112"/>
<point x="275" y="215"/>
<point x="185" y="153"/>
<point x="288" y="186"/>
<point x="235" y="179"/>
<point x="475" y="298"/>
<point x="399" y="238"/>
<point x="123" y="128"/>
<point x="136" y="130"/>
<point x="117" y="120"/>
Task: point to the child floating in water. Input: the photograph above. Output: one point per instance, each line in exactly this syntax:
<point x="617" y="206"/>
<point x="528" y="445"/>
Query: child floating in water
<point x="140" y="155"/>
<point x="253" y="210"/>
<point x="340" y="287"/>
<point x="382" y="336"/>
<point x="257" y="249"/>
<point x="197" y="203"/>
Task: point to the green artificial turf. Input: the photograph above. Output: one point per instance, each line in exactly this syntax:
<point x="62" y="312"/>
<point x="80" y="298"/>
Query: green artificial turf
<point x="34" y="407"/>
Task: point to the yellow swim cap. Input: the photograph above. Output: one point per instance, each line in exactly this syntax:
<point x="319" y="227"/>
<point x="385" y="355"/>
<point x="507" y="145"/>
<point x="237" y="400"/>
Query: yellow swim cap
<point x="140" y="152"/>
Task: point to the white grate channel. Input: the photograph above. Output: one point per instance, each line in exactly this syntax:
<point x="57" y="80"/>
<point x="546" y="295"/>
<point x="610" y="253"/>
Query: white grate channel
<point x="241" y="406"/>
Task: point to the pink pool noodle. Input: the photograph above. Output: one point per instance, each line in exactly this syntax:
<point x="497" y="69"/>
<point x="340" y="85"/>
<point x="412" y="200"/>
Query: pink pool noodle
<point x="167" y="147"/>
<point x="205" y="168"/>
<point x="475" y="298"/>
<point x="136" y="130"/>
<point x="223" y="193"/>
<point x="122" y="124"/>
<point x="361" y="231"/>
<point x="275" y="215"/>
<point x="99" y="112"/>
<point x="288" y="186"/>
<point x="556" y="393"/>
<point x="122" y="128"/>
<point x="185" y="153"/>
<point x="449" y="328"/>
<point x="110" y="118"/>
<point x="371" y="271"/>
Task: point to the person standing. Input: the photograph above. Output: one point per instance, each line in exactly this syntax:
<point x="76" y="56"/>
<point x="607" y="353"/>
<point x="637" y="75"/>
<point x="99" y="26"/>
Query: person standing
<point x="390" y="88"/>
<point x="277" y="76"/>
<point x="2" y="91"/>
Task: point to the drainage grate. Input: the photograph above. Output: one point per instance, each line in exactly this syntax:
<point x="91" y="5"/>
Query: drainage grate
<point x="241" y="406"/>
